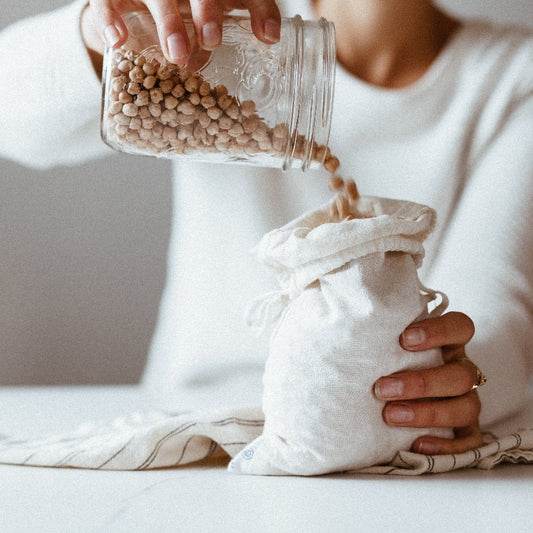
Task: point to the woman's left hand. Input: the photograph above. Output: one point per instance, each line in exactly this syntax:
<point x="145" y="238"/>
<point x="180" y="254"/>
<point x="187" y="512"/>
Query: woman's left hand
<point x="438" y="397"/>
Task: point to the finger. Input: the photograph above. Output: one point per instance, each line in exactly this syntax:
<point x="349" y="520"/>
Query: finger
<point x="452" y="379"/>
<point x="108" y="23"/>
<point x="171" y="30"/>
<point x="265" y="20"/>
<point x="465" y="439"/>
<point x="207" y="16"/>
<point x="451" y="329"/>
<point x="461" y="411"/>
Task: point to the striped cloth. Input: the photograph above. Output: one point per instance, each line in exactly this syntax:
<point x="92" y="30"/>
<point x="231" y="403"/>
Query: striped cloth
<point x="144" y="441"/>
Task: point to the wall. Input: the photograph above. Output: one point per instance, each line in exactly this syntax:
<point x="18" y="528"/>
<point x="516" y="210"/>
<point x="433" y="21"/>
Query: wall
<point x="82" y="252"/>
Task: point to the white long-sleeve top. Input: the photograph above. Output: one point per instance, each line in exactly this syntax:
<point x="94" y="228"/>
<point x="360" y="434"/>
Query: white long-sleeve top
<point x="458" y="140"/>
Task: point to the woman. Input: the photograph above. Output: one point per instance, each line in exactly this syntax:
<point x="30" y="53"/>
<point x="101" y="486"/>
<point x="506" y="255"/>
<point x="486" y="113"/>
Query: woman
<point x="427" y="108"/>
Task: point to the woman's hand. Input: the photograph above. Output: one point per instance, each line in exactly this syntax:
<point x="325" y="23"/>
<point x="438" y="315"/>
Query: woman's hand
<point x="437" y="397"/>
<point x="206" y="15"/>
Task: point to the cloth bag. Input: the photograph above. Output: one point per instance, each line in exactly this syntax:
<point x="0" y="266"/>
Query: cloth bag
<point x="347" y="291"/>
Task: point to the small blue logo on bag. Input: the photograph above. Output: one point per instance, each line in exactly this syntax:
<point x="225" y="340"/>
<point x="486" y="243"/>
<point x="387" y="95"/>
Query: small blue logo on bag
<point x="248" y="454"/>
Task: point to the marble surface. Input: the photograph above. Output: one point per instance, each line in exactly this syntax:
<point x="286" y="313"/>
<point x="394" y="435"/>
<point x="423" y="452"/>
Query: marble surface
<point x="205" y="498"/>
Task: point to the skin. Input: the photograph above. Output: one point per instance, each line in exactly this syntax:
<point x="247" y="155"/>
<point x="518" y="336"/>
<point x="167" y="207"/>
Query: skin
<point x="387" y="43"/>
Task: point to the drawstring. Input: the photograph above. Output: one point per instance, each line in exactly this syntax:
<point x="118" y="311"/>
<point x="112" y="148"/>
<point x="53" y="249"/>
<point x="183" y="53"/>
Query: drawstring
<point x="431" y="296"/>
<point x="265" y="310"/>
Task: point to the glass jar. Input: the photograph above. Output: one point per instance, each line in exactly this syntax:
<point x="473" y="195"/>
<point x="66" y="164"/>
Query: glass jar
<point x="246" y="101"/>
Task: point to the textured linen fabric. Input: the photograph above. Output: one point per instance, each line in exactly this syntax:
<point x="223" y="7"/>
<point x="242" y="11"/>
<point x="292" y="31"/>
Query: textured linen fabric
<point x="347" y="291"/>
<point x="454" y="140"/>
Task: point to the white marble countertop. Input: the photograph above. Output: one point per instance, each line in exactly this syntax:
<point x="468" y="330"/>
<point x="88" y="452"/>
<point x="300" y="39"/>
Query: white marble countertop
<point x="208" y="499"/>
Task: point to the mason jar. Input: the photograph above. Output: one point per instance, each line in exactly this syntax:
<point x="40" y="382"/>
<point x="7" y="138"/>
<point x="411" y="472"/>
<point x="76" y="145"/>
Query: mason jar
<point x="244" y="102"/>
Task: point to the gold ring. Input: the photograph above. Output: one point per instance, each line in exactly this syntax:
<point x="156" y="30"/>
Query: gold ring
<point x="481" y="379"/>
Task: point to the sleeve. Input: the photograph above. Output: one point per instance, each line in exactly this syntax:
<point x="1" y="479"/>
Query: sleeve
<point x="51" y="94"/>
<point x="485" y="262"/>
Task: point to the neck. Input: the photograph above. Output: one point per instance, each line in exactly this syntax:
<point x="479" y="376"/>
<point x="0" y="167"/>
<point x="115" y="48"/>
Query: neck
<point x="389" y="43"/>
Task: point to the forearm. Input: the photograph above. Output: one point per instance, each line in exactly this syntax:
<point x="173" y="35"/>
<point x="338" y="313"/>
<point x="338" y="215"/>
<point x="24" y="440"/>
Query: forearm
<point x="52" y="92"/>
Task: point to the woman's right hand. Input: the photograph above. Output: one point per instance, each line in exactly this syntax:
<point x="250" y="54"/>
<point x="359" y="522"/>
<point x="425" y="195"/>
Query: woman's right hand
<point x="207" y="18"/>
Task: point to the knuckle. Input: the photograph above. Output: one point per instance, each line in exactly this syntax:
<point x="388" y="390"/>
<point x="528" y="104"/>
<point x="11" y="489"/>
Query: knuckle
<point x="461" y="321"/>
<point x="429" y="416"/>
<point x="476" y="404"/>
<point x="420" y="385"/>
<point x="259" y="6"/>
<point x="466" y="375"/>
<point x="438" y="330"/>
<point x="204" y="6"/>
<point x="471" y="408"/>
<point x="468" y="324"/>
<point x="477" y="440"/>
<point x="103" y="13"/>
<point x="166" y="25"/>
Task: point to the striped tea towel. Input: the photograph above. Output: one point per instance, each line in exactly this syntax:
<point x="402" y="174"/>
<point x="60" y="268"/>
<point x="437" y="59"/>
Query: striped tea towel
<point x="158" y="439"/>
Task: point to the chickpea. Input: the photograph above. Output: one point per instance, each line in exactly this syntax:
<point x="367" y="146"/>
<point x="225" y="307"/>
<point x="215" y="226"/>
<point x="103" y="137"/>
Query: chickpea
<point x="178" y="91"/>
<point x="149" y="69"/>
<point x="156" y="95"/>
<point x="208" y="101"/>
<point x="331" y="164"/>
<point x="136" y="74"/>
<point x="214" y="113"/>
<point x="149" y="82"/>
<point x="125" y="97"/>
<point x="225" y="123"/>
<point x="142" y="99"/>
<point x="248" y="108"/>
<point x="187" y="108"/>
<point x="224" y="101"/>
<point x="236" y="129"/>
<point x="204" y="89"/>
<point x="155" y="109"/>
<point x="133" y="88"/>
<point x="166" y="86"/>
<point x="130" y="110"/>
<point x="125" y="65"/>
<point x="336" y="183"/>
<point x="191" y="84"/>
<point x="170" y="102"/>
<point x="195" y="99"/>
<point x="233" y="111"/>
<point x="203" y="119"/>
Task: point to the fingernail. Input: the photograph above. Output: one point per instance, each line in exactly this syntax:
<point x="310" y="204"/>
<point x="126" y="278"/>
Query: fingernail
<point x="111" y="35"/>
<point x="178" y="49"/>
<point x="211" y="34"/>
<point x="413" y="337"/>
<point x="399" y="414"/>
<point x="429" y="448"/>
<point x="388" y="388"/>
<point x="272" y="30"/>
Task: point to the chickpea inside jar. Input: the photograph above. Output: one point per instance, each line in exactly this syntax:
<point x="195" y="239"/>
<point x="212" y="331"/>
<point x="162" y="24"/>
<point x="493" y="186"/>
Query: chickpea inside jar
<point x="244" y="102"/>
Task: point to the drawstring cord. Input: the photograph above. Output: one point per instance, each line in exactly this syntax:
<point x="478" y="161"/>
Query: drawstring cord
<point x="431" y="296"/>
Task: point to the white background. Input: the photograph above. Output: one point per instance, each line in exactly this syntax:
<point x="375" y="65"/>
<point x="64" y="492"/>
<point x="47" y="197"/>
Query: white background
<point x="83" y="250"/>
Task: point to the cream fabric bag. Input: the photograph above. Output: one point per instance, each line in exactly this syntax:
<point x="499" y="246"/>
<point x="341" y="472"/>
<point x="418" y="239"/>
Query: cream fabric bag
<point x="348" y="290"/>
